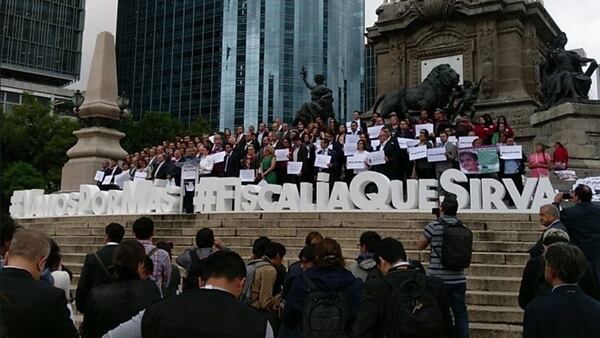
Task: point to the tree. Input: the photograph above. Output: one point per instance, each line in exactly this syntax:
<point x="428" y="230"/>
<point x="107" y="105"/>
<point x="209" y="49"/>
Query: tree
<point x="198" y="127"/>
<point x="154" y="128"/>
<point x="20" y="176"/>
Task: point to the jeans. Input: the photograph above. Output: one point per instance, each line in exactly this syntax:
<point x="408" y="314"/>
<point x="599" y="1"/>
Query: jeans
<point x="456" y="296"/>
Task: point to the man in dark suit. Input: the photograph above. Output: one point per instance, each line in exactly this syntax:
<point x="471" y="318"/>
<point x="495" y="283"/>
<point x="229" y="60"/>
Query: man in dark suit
<point x="581" y="221"/>
<point x="95" y="266"/>
<point x="567" y="311"/>
<point x="391" y="167"/>
<point x="333" y="164"/>
<point x="28" y="307"/>
<point x="306" y="155"/>
<point x="231" y="164"/>
<point x="211" y="311"/>
<point x="393" y="264"/>
<point x="163" y="169"/>
<point x="549" y="216"/>
<point x="112" y="170"/>
<point x="361" y="123"/>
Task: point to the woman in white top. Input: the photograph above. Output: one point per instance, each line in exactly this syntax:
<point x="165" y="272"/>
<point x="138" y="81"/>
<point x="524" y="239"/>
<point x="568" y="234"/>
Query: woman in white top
<point x="361" y="148"/>
<point x="206" y="163"/>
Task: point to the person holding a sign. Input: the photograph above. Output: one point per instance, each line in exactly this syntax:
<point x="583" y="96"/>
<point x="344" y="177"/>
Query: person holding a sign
<point x="514" y="169"/>
<point x="422" y="168"/>
<point x="306" y="155"/>
<point x="142" y="171"/>
<point x="451" y="155"/>
<point x="391" y="150"/>
<point x="267" y="168"/>
<point x="111" y="172"/>
<point x="331" y="166"/>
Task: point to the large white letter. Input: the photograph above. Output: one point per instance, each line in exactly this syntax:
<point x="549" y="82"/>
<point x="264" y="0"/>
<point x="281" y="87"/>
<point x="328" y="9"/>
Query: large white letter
<point x="306" y="197"/>
<point x="61" y="202"/>
<point x="377" y="201"/>
<point x="492" y="192"/>
<point x="73" y="204"/>
<point x="412" y="195"/>
<point x="340" y="197"/>
<point x="86" y="192"/>
<point x="289" y="198"/>
<point x="322" y="195"/>
<point x="521" y="201"/>
<point x="250" y="198"/>
<point x="135" y="197"/>
<point x="99" y="202"/>
<point x="544" y="194"/>
<point x="226" y="194"/>
<point x="265" y="197"/>
<point x="115" y="199"/>
<point x="448" y="182"/>
<point x="475" y="188"/>
<point x="428" y="196"/>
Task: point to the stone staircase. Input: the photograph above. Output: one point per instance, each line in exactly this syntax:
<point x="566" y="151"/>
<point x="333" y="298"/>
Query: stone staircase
<point x="500" y="247"/>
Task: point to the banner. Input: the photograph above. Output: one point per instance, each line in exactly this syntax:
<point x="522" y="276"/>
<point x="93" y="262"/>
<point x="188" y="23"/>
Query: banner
<point x="427" y="126"/>
<point x="357" y="161"/>
<point x="511" y="152"/>
<point x="417" y="153"/>
<point x="281" y="155"/>
<point x="593" y="183"/>
<point x="436" y="155"/>
<point x="481" y="160"/>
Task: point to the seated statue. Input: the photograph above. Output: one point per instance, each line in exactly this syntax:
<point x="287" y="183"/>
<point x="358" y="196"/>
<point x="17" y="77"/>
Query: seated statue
<point x="321" y="104"/>
<point x="562" y="77"/>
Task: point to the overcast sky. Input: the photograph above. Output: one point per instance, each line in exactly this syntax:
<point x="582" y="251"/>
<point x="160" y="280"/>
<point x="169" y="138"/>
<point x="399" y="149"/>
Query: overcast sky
<point x="580" y="22"/>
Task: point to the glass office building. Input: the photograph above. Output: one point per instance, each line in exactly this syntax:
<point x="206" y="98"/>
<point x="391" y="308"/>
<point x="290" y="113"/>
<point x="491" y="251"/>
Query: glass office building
<point x="41" y="40"/>
<point x="370" y="82"/>
<point x="238" y="62"/>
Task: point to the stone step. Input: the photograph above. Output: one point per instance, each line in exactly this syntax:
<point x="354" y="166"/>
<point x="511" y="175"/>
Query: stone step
<point x="495" y="314"/>
<point x="493" y="298"/>
<point x="485" y="330"/>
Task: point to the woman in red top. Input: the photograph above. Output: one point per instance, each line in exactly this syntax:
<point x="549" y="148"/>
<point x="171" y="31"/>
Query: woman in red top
<point x="485" y="128"/>
<point x="560" y="157"/>
<point x="502" y="119"/>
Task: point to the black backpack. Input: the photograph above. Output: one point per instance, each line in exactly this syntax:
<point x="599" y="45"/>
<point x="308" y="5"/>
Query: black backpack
<point x="192" y="279"/>
<point x="325" y="313"/>
<point x="412" y="311"/>
<point x="372" y="273"/>
<point x="457" y="246"/>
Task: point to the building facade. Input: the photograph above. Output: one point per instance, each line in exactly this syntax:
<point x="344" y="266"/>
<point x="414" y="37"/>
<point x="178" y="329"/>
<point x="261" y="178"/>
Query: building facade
<point x="238" y="62"/>
<point x="40" y="50"/>
<point x="370" y="82"/>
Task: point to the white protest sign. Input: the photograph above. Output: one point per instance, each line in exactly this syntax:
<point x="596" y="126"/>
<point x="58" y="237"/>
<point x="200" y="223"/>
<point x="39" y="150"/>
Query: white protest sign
<point x="99" y="175"/>
<point x="139" y="176"/>
<point x="351" y="144"/>
<point x="188" y="173"/>
<point x="426" y="126"/>
<point x="374" y="131"/>
<point x="466" y="141"/>
<point x="121" y="179"/>
<point x="436" y="155"/>
<point x="247" y="175"/>
<point x="405" y="143"/>
<point x="322" y="161"/>
<point x="511" y="152"/>
<point x="377" y="158"/>
<point x="294" y="168"/>
<point x="375" y="143"/>
<point x="218" y="157"/>
<point x="357" y="161"/>
<point x="451" y="139"/>
<point x="416" y="153"/>
<point x="282" y="155"/>
<point x="107" y="180"/>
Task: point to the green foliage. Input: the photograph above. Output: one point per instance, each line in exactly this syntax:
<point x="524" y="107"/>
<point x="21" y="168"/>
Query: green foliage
<point x="20" y="176"/>
<point x="32" y="135"/>
<point x="198" y="127"/>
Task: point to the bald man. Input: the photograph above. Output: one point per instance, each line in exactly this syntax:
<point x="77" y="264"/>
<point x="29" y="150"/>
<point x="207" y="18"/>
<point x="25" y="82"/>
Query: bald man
<point x="549" y="217"/>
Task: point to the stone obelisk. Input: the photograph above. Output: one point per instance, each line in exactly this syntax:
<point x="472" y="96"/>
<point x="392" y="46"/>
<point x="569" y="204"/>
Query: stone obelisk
<point x="96" y="142"/>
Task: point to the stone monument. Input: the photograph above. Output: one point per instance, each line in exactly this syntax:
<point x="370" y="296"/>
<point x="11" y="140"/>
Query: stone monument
<point x="97" y="141"/>
<point x="321" y="104"/>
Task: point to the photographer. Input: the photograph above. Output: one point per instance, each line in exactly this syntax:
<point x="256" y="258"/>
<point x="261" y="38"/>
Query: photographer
<point x="581" y="221"/>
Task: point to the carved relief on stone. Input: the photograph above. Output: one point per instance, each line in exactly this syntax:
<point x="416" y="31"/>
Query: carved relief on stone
<point x="486" y="50"/>
<point x="396" y="50"/>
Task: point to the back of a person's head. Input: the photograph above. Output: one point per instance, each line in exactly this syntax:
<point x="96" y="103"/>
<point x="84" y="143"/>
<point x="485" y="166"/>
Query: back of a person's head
<point x="8" y="227"/>
<point x="205" y="238"/>
<point x="30" y="245"/>
<point x="143" y="228"/>
<point x="554" y="235"/>
<point x="450" y="205"/>
<point x="128" y="255"/>
<point x="391" y="250"/>
<point x="329" y="253"/>
<point x="54" y="257"/>
<point x="313" y="237"/>
<point x="274" y="249"/>
<point x="567" y="261"/>
<point x="308" y="254"/>
<point x="583" y="193"/>
<point x="223" y="264"/>
<point x="115" y="232"/>
<point x="369" y="239"/>
<point x="259" y="246"/>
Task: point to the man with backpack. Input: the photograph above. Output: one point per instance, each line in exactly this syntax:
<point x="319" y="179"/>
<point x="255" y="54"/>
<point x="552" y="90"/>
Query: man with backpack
<point x="404" y="302"/>
<point x="365" y="267"/>
<point x="261" y="276"/>
<point x="190" y="260"/>
<point x="451" y="249"/>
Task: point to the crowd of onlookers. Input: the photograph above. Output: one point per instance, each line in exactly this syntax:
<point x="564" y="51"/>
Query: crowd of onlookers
<point x="132" y="287"/>
<point x="259" y="150"/>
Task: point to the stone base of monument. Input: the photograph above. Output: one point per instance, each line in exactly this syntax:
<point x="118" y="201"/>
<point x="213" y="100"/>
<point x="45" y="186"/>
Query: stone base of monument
<point x="577" y="127"/>
<point x="94" y="145"/>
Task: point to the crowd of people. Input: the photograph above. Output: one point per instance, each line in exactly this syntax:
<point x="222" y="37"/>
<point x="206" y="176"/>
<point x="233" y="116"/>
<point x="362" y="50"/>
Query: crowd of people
<point x="265" y="153"/>
<point x="132" y="288"/>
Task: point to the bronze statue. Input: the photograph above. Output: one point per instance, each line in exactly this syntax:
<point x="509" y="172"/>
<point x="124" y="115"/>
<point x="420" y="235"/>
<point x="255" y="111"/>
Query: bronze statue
<point x="463" y="99"/>
<point x="321" y="104"/>
<point x="434" y="92"/>
<point x="562" y="77"/>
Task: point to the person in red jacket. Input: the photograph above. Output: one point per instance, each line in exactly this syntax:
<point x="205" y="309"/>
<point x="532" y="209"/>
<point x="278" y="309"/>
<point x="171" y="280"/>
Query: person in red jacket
<point x="485" y="129"/>
<point x="560" y="157"/>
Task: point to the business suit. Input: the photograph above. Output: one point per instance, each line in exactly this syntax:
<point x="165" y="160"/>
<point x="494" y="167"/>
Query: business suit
<point x="30" y="308"/>
<point x="566" y="312"/>
<point x="231" y="165"/>
<point x="306" y="155"/>
<point x="332" y="169"/>
<point x="203" y="313"/>
<point x="581" y="221"/>
<point x="391" y="169"/>
<point x="92" y="274"/>
<point x="161" y="171"/>
<point x="538" y="249"/>
<point x="376" y="293"/>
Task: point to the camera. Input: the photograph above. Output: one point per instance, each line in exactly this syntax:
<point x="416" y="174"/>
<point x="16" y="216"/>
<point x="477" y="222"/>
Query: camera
<point x="566" y="195"/>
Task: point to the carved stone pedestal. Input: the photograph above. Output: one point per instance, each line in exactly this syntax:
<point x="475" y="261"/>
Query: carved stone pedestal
<point x="577" y="127"/>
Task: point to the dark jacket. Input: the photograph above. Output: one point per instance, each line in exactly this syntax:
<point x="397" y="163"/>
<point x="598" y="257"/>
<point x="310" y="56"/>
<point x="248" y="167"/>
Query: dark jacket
<point x="566" y="312"/>
<point x="203" y="313"/>
<point x="231" y="165"/>
<point x="162" y="172"/>
<point x="391" y="168"/>
<point x="534" y="285"/>
<point x="92" y="274"/>
<point x="306" y="155"/>
<point x="581" y="221"/>
<point x="371" y="315"/>
<point x="114" y="303"/>
<point x="29" y="308"/>
<point x="538" y="249"/>
<point x="336" y="279"/>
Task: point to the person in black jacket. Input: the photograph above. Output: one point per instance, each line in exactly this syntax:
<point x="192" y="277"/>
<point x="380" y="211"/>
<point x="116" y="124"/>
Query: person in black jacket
<point x="394" y="266"/>
<point x="111" y="304"/>
<point x="549" y="217"/>
<point x="389" y="145"/>
<point x="567" y="311"/>
<point x="163" y="169"/>
<point x="306" y="155"/>
<point x="533" y="284"/>
<point x="29" y="308"/>
<point x="211" y="311"/>
<point x="582" y="224"/>
<point x="95" y="266"/>
<point x="231" y="162"/>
